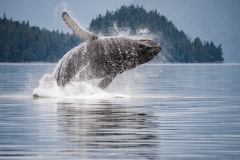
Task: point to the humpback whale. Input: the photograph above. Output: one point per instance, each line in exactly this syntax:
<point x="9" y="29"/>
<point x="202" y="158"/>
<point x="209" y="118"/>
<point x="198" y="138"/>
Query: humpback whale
<point x="102" y="58"/>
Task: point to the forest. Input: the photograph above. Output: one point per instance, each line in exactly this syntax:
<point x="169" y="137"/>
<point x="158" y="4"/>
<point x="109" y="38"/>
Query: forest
<point x="20" y="42"/>
<point x="176" y="45"/>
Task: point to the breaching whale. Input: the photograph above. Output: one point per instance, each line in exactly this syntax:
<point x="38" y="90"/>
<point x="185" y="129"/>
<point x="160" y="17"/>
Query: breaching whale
<point x="102" y="57"/>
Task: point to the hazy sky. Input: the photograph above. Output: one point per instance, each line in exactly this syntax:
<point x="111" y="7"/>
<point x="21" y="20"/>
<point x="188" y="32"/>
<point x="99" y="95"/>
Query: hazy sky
<point x="211" y="20"/>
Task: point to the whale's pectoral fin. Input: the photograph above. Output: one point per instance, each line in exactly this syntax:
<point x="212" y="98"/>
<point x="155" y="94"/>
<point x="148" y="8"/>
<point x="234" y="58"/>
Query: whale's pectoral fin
<point x="105" y="82"/>
<point x="77" y="30"/>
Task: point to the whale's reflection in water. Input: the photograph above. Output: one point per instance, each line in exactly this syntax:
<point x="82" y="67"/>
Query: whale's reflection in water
<point x="109" y="128"/>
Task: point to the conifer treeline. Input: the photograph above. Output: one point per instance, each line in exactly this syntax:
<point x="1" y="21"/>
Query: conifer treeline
<point x="21" y="43"/>
<point x="181" y="48"/>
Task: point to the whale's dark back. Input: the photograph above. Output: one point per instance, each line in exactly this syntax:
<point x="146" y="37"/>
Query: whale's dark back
<point x="99" y="59"/>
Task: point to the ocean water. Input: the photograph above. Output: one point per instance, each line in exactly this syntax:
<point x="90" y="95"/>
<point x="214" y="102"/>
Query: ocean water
<point x="163" y="111"/>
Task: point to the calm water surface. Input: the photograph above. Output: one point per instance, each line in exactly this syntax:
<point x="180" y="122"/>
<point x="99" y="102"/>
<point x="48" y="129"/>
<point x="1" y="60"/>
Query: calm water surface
<point x="170" y="112"/>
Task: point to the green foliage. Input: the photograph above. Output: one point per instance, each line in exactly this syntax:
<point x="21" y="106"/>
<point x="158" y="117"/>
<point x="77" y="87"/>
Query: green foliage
<point x="181" y="48"/>
<point x="21" y="43"/>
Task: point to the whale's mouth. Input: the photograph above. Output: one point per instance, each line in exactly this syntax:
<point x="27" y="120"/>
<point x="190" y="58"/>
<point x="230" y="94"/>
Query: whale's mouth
<point x="150" y="43"/>
<point x="151" y="46"/>
<point x="152" y="52"/>
<point x="148" y="49"/>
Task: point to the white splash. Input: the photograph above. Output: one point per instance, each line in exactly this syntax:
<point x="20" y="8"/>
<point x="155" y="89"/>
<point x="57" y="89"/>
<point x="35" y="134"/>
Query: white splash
<point x="48" y="88"/>
<point x="127" y="32"/>
<point x="65" y="7"/>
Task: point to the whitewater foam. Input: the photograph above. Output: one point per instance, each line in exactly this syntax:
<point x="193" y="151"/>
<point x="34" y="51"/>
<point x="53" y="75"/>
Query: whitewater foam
<point x="48" y="88"/>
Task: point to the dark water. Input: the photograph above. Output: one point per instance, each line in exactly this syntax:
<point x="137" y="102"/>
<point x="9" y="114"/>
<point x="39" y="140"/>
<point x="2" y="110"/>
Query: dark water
<point x="170" y="112"/>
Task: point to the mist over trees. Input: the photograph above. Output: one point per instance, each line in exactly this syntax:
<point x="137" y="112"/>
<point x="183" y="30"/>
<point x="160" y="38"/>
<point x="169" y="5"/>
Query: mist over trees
<point x="20" y="42"/>
<point x="177" y="46"/>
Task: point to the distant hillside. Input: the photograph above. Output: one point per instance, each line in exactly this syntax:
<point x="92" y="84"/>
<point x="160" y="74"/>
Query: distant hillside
<point x="177" y="47"/>
<point x="20" y="43"/>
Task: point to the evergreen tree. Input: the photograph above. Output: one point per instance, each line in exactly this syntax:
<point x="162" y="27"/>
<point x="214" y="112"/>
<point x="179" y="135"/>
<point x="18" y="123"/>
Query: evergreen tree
<point x="4" y="16"/>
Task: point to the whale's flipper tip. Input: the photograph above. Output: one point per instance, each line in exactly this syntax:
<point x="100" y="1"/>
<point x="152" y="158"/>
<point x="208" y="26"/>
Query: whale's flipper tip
<point x="63" y="13"/>
<point x="77" y="30"/>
